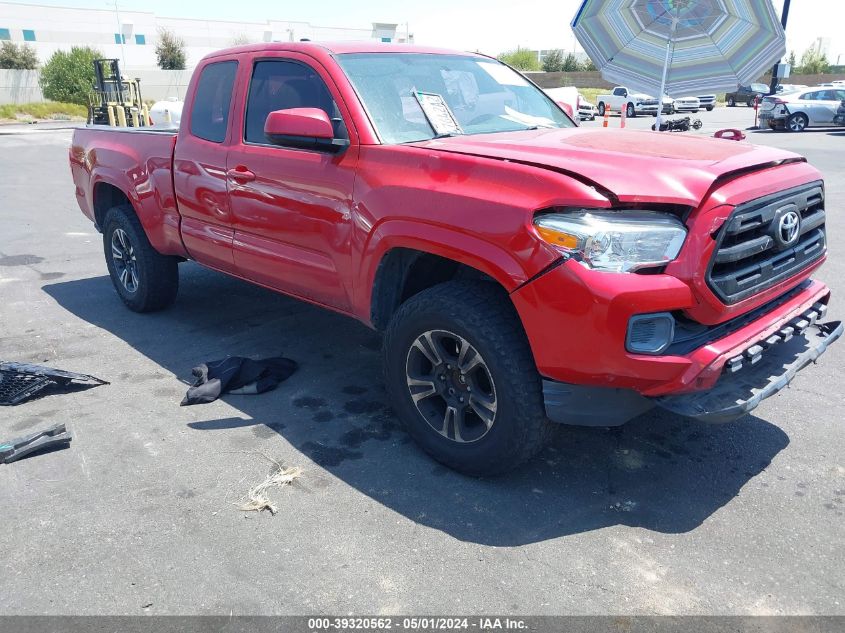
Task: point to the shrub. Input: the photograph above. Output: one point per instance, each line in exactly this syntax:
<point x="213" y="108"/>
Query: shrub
<point x="553" y="61"/>
<point x="521" y="59"/>
<point x="170" y="51"/>
<point x="571" y="64"/>
<point x="814" y="62"/>
<point x="69" y="76"/>
<point x="14" y="57"/>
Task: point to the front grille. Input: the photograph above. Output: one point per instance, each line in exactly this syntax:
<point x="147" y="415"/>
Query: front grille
<point x="649" y="102"/>
<point x="753" y="251"/>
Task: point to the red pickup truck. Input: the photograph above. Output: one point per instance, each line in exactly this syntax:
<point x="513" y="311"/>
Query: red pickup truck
<point x="524" y="270"/>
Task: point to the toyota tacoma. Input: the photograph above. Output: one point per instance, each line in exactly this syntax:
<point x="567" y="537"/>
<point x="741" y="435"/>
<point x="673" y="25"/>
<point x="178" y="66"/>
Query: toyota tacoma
<point x="522" y="272"/>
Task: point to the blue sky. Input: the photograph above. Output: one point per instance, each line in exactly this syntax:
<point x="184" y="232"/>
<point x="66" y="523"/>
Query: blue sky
<point x="490" y="26"/>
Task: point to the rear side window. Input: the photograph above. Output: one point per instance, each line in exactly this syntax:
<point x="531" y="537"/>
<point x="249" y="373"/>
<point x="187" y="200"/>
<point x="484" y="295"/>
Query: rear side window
<point x="212" y="101"/>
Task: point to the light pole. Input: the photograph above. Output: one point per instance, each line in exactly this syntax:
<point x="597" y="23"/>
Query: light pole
<point x="120" y="35"/>
<point x="783" y="18"/>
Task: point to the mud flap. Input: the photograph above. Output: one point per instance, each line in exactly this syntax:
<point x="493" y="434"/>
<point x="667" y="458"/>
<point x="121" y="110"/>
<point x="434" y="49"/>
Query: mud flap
<point x="769" y="370"/>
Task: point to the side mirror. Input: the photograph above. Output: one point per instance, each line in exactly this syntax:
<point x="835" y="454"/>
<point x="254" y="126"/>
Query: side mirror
<point x="303" y="128"/>
<point x="624" y="93"/>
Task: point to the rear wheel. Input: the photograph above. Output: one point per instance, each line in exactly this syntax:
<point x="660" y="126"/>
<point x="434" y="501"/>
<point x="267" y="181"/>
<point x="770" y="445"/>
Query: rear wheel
<point x="601" y="108"/>
<point x="710" y="108"/>
<point x="145" y="279"/>
<point x="731" y="102"/>
<point x="797" y="123"/>
<point x="750" y="103"/>
<point x="462" y="379"/>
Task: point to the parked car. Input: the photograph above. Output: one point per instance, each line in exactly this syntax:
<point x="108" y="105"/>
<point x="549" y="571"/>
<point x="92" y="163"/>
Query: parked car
<point x="789" y="87"/>
<point x="572" y="101"/>
<point x="686" y="104"/>
<point x="796" y="111"/>
<point x="746" y="95"/>
<point x="634" y="103"/>
<point x="839" y="119"/>
<point x="708" y="102"/>
<point x="586" y="110"/>
<point x="523" y="270"/>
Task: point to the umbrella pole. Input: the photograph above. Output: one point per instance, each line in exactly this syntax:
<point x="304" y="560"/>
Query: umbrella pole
<point x="662" y="87"/>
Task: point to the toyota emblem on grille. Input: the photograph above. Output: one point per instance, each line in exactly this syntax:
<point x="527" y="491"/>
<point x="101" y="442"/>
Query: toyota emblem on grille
<point x="788" y="228"/>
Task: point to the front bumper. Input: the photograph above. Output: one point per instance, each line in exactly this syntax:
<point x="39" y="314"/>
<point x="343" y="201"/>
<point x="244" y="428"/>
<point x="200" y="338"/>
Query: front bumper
<point x="576" y="321"/>
<point x="762" y="372"/>
<point x="758" y="372"/>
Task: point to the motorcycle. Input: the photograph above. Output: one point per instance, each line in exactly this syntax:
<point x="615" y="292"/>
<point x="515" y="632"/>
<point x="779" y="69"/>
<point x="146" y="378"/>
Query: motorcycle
<point x="679" y="125"/>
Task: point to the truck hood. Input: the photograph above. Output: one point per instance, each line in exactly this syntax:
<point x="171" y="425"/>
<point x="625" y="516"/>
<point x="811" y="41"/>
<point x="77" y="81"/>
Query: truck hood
<point x="624" y="165"/>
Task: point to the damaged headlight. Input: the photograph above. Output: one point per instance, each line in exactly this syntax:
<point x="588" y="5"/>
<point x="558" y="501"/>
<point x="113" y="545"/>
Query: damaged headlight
<point x="617" y="241"/>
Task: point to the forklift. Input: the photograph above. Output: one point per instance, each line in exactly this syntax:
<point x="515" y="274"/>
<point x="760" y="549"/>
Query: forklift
<point x="115" y="100"/>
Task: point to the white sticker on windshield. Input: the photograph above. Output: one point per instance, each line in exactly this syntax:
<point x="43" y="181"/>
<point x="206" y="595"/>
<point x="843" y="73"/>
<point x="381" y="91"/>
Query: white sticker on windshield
<point x="502" y="74"/>
<point x="438" y="113"/>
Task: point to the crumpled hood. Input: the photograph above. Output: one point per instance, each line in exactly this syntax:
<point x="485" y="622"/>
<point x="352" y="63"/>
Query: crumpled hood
<point x="630" y="165"/>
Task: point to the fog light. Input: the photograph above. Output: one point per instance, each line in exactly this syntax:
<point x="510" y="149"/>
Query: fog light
<point x="650" y="333"/>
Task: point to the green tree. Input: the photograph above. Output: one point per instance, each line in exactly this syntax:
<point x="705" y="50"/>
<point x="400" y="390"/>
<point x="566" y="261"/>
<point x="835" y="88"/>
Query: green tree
<point x="571" y="64"/>
<point x="792" y="61"/>
<point x="170" y="51"/>
<point x="814" y="62"/>
<point x="14" y="57"/>
<point x="521" y="59"/>
<point x="69" y="75"/>
<point x="553" y="61"/>
<point x="589" y="66"/>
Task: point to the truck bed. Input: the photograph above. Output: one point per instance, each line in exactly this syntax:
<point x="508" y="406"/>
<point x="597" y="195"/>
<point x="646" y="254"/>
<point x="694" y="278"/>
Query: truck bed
<point x="111" y="164"/>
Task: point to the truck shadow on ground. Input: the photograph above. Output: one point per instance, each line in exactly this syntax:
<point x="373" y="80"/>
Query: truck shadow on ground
<point x="658" y="472"/>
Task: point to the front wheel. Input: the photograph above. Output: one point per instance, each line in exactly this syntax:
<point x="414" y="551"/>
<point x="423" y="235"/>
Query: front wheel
<point x="145" y="279"/>
<point x="630" y="111"/>
<point x="602" y="108"/>
<point x="461" y="378"/>
<point x="731" y="102"/>
<point x="710" y="108"/>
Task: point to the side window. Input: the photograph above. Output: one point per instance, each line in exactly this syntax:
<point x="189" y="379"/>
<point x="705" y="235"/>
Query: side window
<point x="840" y="95"/>
<point x="280" y="85"/>
<point x="212" y="101"/>
<point x="808" y="96"/>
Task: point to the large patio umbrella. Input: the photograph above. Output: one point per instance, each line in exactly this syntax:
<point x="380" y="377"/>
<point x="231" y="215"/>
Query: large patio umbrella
<point x="680" y="47"/>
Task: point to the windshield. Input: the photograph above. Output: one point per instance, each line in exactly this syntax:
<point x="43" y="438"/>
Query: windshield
<point x="759" y="88"/>
<point x="405" y="94"/>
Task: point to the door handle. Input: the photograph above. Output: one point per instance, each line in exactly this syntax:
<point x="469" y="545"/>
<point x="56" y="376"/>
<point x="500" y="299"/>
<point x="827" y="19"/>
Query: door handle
<point x="240" y="173"/>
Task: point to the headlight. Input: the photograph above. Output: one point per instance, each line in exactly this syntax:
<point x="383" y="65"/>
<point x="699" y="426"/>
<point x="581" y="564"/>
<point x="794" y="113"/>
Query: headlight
<point x="620" y="241"/>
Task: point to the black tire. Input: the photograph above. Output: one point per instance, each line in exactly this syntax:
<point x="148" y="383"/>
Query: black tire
<point x="602" y="108"/>
<point x="750" y="103"/>
<point x="710" y="108"/>
<point x="483" y="316"/>
<point x="630" y="111"/>
<point x="145" y="279"/>
<point x="731" y="102"/>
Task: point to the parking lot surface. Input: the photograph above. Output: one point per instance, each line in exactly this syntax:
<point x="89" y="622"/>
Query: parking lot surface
<point x="139" y="516"/>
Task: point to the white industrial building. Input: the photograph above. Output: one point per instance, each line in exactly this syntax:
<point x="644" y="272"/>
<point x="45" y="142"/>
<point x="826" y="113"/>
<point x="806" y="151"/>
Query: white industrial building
<point x="131" y="35"/>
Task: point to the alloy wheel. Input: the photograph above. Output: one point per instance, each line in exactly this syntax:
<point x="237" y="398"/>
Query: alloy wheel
<point x="125" y="261"/>
<point x="797" y="124"/>
<point x="451" y="386"/>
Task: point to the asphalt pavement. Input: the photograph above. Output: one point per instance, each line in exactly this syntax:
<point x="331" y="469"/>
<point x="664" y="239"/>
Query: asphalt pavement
<point x="139" y="516"/>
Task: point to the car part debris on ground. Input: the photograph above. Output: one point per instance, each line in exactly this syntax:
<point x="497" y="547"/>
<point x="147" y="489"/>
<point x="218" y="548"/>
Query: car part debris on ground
<point x="22" y="381"/>
<point x="257" y="499"/>
<point x="237" y="375"/>
<point x="13" y="450"/>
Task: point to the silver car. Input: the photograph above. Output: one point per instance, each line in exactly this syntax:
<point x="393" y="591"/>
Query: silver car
<point x="796" y="111"/>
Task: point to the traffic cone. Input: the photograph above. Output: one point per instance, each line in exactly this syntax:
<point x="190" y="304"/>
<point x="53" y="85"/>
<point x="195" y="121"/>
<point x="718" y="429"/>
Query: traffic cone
<point x="606" y="116"/>
<point x="622" y="116"/>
